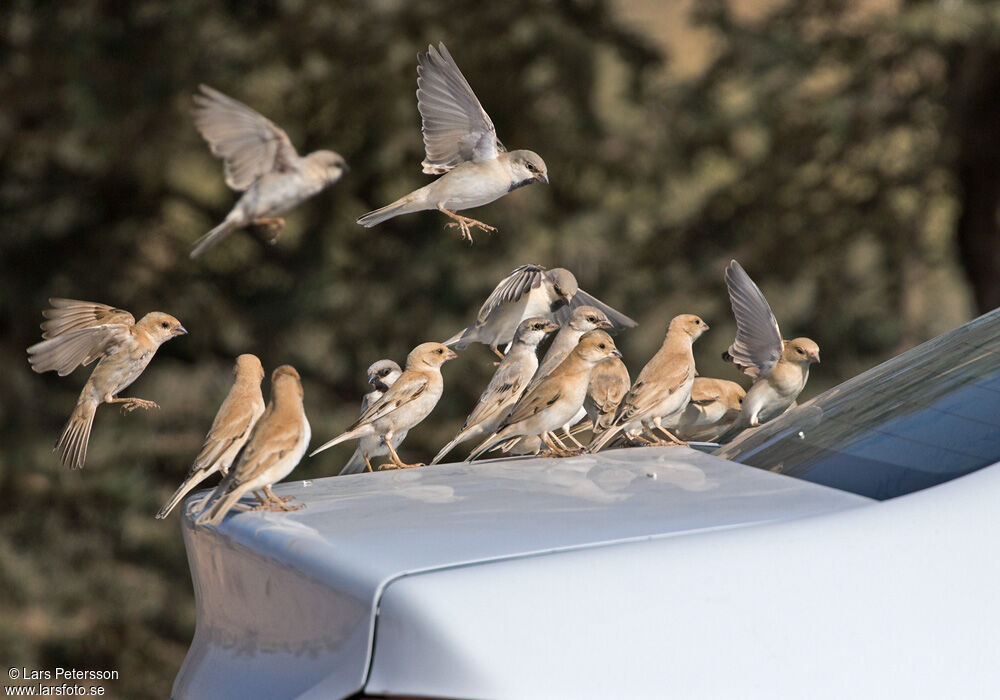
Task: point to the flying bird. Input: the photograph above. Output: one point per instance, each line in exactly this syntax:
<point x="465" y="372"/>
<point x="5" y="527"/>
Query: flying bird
<point x="261" y="162"/>
<point x="461" y="145"/>
<point x="527" y="292"/>
<point x="275" y="448"/>
<point x="230" y="430"/>
<point x="381" y="375"/>
<point x="779" y="368"/>
<point x="80" y="332"/>
<point x="508" y="383"/>
<point x="714" y="406"/>
<point x="556" y="399"/>
<point x="407" y="402"/>
<point x="662" y="388"/>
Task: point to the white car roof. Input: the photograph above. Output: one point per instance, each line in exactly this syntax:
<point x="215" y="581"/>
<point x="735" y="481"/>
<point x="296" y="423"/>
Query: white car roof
<point x="287" y="602"/>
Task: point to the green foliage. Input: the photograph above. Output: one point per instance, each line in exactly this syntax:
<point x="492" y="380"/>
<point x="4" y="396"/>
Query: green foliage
<point x="816" y="147"/>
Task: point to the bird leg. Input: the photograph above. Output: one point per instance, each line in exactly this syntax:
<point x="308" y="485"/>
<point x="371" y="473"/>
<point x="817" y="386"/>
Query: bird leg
<point x="130" y="404"/>
<point x="368" y="464"/>
<point x="396" y="463"/>
<point x="556" y="447"/>
<point x="465" y="224"/>
<point x="274" y="226"/>
<point x="496" y="351"/>
<point x="569" y="436"/>
<point x="670" y="436"/>
<point x="274" y="497"/>
<point x="275" y="503"/>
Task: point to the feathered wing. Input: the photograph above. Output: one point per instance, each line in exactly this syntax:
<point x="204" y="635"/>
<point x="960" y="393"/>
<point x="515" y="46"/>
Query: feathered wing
<point x="758" y="343"/>
<point x="645" y="395"/>
<point x="77" y="333"/>
<point x="503" y="390"/>
<point x="511" y="288"/>
<point x="232" y="425"/>
<point x="456" y="128"/>
<point x="581" y="298"/>
<point x="409" y="386"/>
<point x="250" y="144"/>
<point x="609" y="382"/>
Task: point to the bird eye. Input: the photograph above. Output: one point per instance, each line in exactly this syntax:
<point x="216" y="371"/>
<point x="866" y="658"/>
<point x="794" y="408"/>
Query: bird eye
<point x="440" y="351"/>
<point x="697" y="322"/>
<point x="531" y="168"/>
<point x="800" y="351"/>
<point x="601" y="346"/>
<point x="165" y="324"/>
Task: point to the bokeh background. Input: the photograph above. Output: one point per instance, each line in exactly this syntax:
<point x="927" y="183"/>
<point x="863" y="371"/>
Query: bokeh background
<point x="847" y="153"/>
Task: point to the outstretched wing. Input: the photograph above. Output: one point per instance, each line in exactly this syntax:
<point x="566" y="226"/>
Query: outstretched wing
<point x="456" y="128"/>
<point x="758" y="343"/>
<point x="249" y="143"/>
<point x="511" y="288"/>
<point x="78" y="332"/>
<point x="581" y="298"/>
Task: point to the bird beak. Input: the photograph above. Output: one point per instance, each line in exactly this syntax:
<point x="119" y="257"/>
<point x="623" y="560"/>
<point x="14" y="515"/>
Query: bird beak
<point x="551" y="327"/>
<point x="616" y="353"/>
<point x="372" y="379"/>
<point x="606" y="324"/>
<point x="451" y="355"/>
<point x="814" y="356"/>
<point x="181" y="330"/>
<point x="542" y="177"/>
<point x="705" y="327"/>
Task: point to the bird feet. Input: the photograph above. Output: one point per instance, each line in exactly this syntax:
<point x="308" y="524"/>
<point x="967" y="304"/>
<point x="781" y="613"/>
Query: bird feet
<point x="557" y="452"/>
<point x="465" y="225"/>
<point x="273" y="226"/>
<point x="129" y="405"/>
<point x="279" y="505"/>
<point x="401" y="465"/>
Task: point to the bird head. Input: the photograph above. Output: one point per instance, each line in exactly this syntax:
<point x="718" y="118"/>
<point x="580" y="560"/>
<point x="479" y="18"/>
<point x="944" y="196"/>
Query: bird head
<point x="286" y="384"/>
<point x="801" y="351"/>
<point x="161" y="327"/>
<point x="248" y="366"/>
<point x="331" y="164"/>
<point x="689" y="324"/>
<point x="588" y="318"/>
<point x="429" y="356"/>
<point x="383" y="373"/>
<point x="596" y="346"/>
<point x="531" y="330"/>
<point x="564" y="284"/>
<point x="527" y="168"/>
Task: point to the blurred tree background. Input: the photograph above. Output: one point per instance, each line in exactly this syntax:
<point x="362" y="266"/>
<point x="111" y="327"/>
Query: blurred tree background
<point x="846" y="153"/>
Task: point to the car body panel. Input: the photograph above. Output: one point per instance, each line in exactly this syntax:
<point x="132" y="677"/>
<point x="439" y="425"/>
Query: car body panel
<point x="287" y="602"/>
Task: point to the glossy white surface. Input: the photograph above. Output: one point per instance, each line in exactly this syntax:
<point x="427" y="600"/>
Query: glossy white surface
<point x="894" y="600"/>
<point x="286" y="602"/>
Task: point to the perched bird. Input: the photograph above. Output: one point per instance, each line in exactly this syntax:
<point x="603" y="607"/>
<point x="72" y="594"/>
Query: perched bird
<point x="407" y="402"/>
<point x="663" y="387"/>
<point x="582" y="320"/>
<point x="461" y="145"/>
<point x="261" y="162"/>
<point x="275" y="448"/>
<point x="609" y="382"/>
<point x="530" y="291"/>
<point x="779" y="368"/>
<point x="714" y="405"/>
<point x="507" y="384"/>
<point x="381" y="375"/>
<point x="557" y="398"/>
<point x="230" y="430"/>
<point x="79" y="332"/>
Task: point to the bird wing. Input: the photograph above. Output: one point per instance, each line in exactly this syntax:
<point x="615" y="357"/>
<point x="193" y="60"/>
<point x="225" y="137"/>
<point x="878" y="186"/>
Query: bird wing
<point x="271" y="440"/>
<point x="249" y="143"/>
<point x="540" y="398"/>
<point x="504" y="389"/>
<point x="77" y="333"/>
<point x="609" y="382"/>
<point x="705" y="392"/>
<point x="581" y="298"/>
<point x="647" y="393"/>
<point x="232" y="425"/>
<point x="511" y="288"/>
<point x="409" y="386"/>
<point x="456" y="128"/>
<point x="758" y="343"/>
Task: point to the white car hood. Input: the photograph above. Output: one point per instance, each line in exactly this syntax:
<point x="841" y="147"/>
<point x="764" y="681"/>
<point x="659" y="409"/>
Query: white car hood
<point x="287" y="602"/>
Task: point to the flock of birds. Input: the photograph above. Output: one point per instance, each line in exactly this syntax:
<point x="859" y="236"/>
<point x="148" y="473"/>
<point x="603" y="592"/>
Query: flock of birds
<point x="542" y="407"/>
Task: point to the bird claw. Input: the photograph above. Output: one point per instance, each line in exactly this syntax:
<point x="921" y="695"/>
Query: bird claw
<point x="465" y="224"/>
<point x="133" y="404"/>
<point x="273" y="228"/>
<point x="401" y="465"/>
<point x="279" y="505"/>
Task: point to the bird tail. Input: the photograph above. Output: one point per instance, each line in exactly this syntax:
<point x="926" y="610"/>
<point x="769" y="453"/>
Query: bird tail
<point x="460" y="438"/>
<point x="355" y="465"/>
<point x="490" y="441"/>
<point x="603" y="438"/>
<point x="343" y="437"/>
<point x="72" y="444"/>
<point x="218" y="503"/>
<point x="406" y="205"/>
<point x="182" y="491"/>
<point x="213" y="237"/>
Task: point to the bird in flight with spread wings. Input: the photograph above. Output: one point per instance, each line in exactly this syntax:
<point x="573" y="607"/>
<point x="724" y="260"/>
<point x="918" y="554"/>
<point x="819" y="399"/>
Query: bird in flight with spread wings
<point x="261" y="162"/>
<point x="461" y="145"/>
